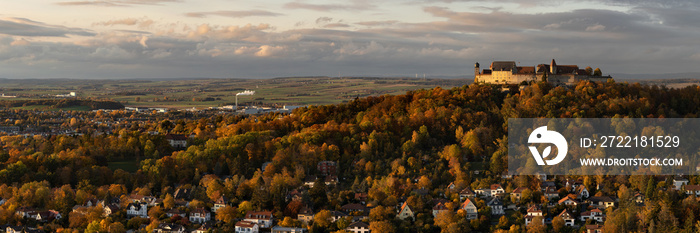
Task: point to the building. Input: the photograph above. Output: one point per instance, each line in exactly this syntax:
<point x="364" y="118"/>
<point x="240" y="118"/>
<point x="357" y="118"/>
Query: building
<point x="496" y="206"/>
<point x="353" y="207"/>
<point x="247" y="227"/>
<point x="439" y="208"/>
<point x="405" y="212"/>
<point x="594" y="228"/>
<point x="200" y="215"/>
<point x="176" y="140"/>
<point x="532" y="212"/>
<point x="110" y="209"/>
<point x="169" y="227"/>
<point x="568" y="201"/>
<point x="568" y="219"/>
<point x="582" y="192"/>
<point x="137" y="209"/>
<point x="604" y="201"/>
<point x="305" y="215"/>
<point x="466" y="193"/>
<point x="176" y="212"/>
<point x="692" y="189"/>
<point x="327" y="168"/>
<point x="262" y="218"/>
<point x="279" y="229"/>
<point x="507" y="72"/>
<point x="595" y="214"/>
<point x="497" y="190"/>
<point x="518" y="193"/>
<point x="358" y="227"/>
<point x="470" y="208"/>
<point x="679" y="182"/>
<point x="219" y="203"/>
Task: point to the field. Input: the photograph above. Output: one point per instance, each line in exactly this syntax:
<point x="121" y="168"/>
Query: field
<point x="202" y="93"/>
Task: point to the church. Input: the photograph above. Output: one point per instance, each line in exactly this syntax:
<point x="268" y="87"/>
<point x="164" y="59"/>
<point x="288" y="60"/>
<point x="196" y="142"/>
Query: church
<point x="507" y="72"/>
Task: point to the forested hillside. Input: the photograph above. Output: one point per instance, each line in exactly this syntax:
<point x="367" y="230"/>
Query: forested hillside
<point x="387" y="147"/>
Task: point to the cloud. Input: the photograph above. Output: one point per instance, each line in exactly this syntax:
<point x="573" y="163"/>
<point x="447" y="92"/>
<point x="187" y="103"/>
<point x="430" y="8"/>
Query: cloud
<point x="20" y="42"/>
<point x="233" y="14"/>
<point x="356" y="5"/>
<point x="377" y="23"/>
<point x="141" y="23"/>
<point x="26" y="27"/>
<point x="323" y="20"/>
<point x="112" y="3"/>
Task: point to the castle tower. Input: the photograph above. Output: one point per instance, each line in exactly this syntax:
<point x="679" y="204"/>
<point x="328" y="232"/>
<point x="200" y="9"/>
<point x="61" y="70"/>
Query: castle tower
<point x="476" y="72"/>
<point x="553" y="67"/>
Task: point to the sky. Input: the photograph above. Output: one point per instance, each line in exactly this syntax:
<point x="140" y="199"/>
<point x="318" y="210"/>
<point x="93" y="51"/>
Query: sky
<point x="146" y="39"/>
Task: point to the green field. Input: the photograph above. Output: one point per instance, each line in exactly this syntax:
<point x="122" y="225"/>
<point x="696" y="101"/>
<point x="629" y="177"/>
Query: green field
<point x="202" y="93"/>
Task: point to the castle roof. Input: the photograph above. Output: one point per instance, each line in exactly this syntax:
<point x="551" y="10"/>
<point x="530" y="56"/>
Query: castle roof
<point x="502" y="65"/>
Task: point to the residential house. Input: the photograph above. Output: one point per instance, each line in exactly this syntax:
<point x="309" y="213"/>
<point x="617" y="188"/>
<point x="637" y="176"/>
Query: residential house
<point x="639" y="198"/>
<point x="551" y="193"/>
<point x="14" y="229"/>
<point x="183" y="193"/>
<point x="305" y="215"/>
<point x="692" y="189"/>
<point x="567" y="217"/>
<point x="353" y="207"/>
<point x="219" y="203"/>
<point x="247" y="227"/>
<point x="327" y="168"/>
<point x="582" y="192"/>
<point x="405" y="212"/>
<point x="358" y="227"/>
<point x="26" y="212"/>
<point x="110" y="209"/>
<point x="137" y="209"/>
<point x="176" y="140"/>
<point x="466" y="193"/>
<point x="603" y="201"/>
<point x="361" y="197"/>
<point x="679" y="182"/>
<point x="169" y="228"/>
<point x="518" y="193"/>
<point x="262" y="218"/>
<point x="176" y="212"/>
<point x="439" y="208"/>
<point x="497" y="190"/>
<point x="200" y="215"/>
<point x="451" y="186"/>
<point x="337" y="215"/>
<point x="486" y="192"/>
<point x="46" y="216"/>
<point x="280" y="229"/>
<point x="470" y="208"/>
<point x="310" y="180"/>
<point x="594" y="228"/>
<point x="496" y="206"/>
<point x="205" y="228"/>
<point x="595" y="214"/>
<point x="568" y="201"/>
<point x="532" y="212"/>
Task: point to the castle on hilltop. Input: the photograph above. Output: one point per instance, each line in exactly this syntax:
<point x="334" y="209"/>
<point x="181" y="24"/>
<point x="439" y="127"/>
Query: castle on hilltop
<point x="506" y="72"/>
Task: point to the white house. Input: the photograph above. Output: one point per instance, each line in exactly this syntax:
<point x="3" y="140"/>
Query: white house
<point x="358" y="227"/>
<point x="595" y="214"/>
<point x="679" y="182"/>
<point x="200" y="215"/>
<point x="262" y="218"/>
<point x="247" y="227"/>
<point x="280" y="229"/>
<point x="169" y="227"/>
<point x="137" y="209"/>
<point x="496" y="190"/>
<point x="532" y="212"/>
<point x="603" y="201"/>
<point x="568" y="219"/>
<point x="219" y="203"/>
